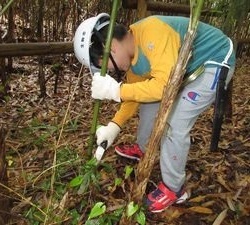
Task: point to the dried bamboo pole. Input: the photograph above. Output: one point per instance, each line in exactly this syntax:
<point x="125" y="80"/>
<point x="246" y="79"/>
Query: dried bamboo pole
<point x="170" y="92"/>
<point x="141" y="8"/>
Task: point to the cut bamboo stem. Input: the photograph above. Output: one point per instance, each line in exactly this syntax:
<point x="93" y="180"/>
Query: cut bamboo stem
<point x="170" y="92"/>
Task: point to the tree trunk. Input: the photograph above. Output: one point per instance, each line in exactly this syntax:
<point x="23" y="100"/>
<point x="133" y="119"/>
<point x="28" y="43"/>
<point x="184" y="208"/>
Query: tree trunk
<point x="10" y="34"/>
<point x="39" y="48"/>
<point x="161" y="6"/>
<point x="3" y="77"/>
<point x="141" y="8"/>
<point x="4" y="200"/>
<point x="41" y="76"/>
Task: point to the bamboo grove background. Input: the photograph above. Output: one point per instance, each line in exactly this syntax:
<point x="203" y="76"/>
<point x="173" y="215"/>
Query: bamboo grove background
<point x="56" y="21"/>
<point x="27" y="21"/>
<point x="43" y="20"/>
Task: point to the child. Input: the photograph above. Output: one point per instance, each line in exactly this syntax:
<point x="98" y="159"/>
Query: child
<point x="147" y="52"/>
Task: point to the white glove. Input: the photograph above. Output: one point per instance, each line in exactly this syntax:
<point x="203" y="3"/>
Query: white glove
<point x="107" y="133"/>
<point x="105" y="87"/>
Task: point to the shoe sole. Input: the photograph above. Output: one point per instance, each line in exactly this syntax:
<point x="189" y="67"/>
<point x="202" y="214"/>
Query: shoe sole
<point x="180" y="200"/>
<point x="183" y="198"/>
<point x="126" y="156"/>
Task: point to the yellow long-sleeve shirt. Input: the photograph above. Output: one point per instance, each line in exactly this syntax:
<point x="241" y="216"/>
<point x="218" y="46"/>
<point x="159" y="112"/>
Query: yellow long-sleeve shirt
<point x="157" y="43"/>
<point x="156" y="52"/>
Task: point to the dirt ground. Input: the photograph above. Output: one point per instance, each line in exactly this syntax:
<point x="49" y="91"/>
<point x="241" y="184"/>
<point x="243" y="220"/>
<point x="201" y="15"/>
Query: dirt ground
<point x="36" y="128"/>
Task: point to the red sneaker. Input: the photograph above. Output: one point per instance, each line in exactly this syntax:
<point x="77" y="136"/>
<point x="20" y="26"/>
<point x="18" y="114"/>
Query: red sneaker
<point x="129" y="151"/>
<point x="161" y="198"/>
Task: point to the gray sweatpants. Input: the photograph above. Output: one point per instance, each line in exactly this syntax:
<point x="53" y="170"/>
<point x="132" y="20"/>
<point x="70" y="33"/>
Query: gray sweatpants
<point x="175" y="143"/>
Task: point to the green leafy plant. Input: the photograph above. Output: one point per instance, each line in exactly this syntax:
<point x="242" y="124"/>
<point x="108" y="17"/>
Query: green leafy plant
<point x="75" y="217"/>
<point x="73" y="124"/>
<point x="128" y="170"/>
<point x="89" y="175"/>
<point x="98" y="215"/>
<point x="133" y="210"/>
<point x="98" y="209"/>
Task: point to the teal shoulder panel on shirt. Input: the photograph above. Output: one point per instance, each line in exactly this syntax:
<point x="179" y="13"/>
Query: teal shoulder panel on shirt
<point x="210" y="42"/>
<point x="142" y="65"/>
<point x="179" y="24"/>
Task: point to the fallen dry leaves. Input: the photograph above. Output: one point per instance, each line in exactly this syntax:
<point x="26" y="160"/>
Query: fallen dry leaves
<point x="219" y="182"/>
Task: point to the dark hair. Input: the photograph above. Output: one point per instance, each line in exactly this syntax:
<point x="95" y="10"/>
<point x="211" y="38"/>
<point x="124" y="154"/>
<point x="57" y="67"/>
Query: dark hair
<point x="98" y="40"/>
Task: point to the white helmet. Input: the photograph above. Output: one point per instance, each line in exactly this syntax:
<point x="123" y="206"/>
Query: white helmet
<point x="82" y="39"/>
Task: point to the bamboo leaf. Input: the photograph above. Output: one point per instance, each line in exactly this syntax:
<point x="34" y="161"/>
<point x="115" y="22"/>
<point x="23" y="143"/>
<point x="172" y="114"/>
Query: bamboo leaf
<point x="132" y="209"/>
<point x="230" y="203"/>
<point x="141" y="218"/>
<point x="223" y="182"/>
<point x="98" y="209"/>
<point x="197" y="199"/>
<point x="77" y="181"/>
<point x="220" y="217"/>
<point x="200" y="209"/>
<point x="128" y="170"/>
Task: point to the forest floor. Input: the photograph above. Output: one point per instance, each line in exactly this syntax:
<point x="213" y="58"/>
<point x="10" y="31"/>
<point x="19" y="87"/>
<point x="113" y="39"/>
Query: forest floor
<point x="46" y="145"/>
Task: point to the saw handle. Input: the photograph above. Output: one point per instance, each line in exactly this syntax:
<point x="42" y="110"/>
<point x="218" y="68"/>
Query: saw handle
<point x="104" y="144"/>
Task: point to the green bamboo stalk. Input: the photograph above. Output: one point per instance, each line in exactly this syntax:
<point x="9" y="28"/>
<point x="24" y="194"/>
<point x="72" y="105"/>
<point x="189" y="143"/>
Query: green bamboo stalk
<point x="195" y="12"/>
<point x="115" y="7"/>
<point x="6" y="7"/>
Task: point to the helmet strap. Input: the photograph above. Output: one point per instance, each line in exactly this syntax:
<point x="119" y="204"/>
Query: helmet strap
<point x="117" y="70"/>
